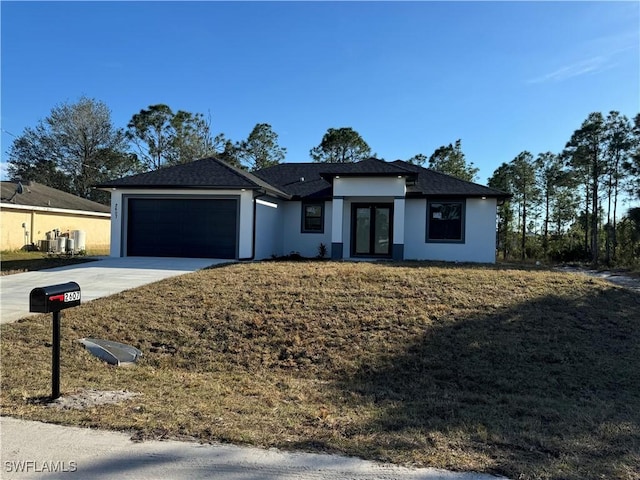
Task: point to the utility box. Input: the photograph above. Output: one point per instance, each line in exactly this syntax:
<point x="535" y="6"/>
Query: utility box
<point x="54" y="298"/>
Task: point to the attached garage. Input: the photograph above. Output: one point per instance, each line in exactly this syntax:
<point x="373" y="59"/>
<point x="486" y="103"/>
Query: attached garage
<point x="182" y="227"/>
<point x="201" y="209"/>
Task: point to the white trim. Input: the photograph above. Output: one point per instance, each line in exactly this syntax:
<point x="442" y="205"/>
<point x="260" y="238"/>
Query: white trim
<point x="266" y="204"/>
<point x="55" y="210"/>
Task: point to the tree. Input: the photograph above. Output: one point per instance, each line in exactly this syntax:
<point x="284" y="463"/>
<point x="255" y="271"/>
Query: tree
<point x="629" y="233"/>
<point x="564" y="207"/>
<point x="585" y="151"/>
<point x="450" y="160"/>
<point x="525" y="190"/>
<point x="192" y="138"/>
<point x="261" y="149"/>
<point x="576" y="161"/>
<point x="166" y="138"/>
<point x="75" y="147"/>
<point x="151" y="131"/>
<point x="31" y="159"/>
<point x="342" y="145"/>
<point x="418" y="159"/>
<point x="632" y="164"/>
<point x="502" y="180"/>
<point x="619" y="142"/>
<point x="227" y="151"/>
<point x="555" y="185"/>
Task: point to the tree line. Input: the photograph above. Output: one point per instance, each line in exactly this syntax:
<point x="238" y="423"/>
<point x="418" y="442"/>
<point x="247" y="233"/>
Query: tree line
<point x="565" y="206"/>
<point x="77" y="145"/>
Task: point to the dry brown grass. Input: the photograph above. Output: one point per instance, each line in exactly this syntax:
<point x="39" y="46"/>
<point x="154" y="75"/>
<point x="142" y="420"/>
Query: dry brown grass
<point x="527" y="373"/>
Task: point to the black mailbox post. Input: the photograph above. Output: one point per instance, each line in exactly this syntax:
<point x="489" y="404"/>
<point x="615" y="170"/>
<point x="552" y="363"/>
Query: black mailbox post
<point x="53" y="299"/>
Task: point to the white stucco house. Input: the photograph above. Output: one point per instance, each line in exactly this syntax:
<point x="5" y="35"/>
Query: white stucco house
<point x="369" y="209"/>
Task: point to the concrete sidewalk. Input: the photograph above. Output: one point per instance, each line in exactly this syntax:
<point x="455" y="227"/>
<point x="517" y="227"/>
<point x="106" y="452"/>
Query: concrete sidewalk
<point x="99" y="278"/>
<point x="33" y="449"/>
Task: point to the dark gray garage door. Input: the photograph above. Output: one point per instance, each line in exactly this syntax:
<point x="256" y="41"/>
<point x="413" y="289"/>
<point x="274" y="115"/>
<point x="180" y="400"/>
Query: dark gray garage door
<point x="195" y="228"/>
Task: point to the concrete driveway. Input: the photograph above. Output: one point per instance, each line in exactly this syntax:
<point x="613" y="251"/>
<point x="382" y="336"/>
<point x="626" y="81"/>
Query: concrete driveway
<point x="99" y="278"/>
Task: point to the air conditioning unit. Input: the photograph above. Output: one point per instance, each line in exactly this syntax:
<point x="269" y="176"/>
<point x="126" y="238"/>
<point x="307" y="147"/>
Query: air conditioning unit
<point x="60" y="245"/>
<point x="79" y="238"/>
<point x="44" y="245"/>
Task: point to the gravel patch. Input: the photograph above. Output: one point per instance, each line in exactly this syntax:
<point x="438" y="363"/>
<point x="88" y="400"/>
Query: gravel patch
<point x="619" y="279"/>
<point x="88" y="398"/>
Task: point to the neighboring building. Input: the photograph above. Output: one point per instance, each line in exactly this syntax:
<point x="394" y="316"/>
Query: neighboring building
<point x="369" y="209"/>
<point x="27" y="217"/>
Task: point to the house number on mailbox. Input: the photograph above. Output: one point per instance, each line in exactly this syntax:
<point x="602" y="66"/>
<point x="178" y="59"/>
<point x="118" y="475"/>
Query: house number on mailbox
<point x="71" y="296"/>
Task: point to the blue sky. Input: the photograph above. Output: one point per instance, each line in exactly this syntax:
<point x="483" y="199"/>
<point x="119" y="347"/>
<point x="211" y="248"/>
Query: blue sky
<point x="409" y="77"/>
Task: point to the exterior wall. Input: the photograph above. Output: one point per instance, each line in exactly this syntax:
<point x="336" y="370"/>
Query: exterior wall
<point x="306" y="244"/>
<point x="480" y="234"/>
<point x="268" y="227"/>
<point x="398" y="228"/>
<point x="39" y="221"/>
<point x="363" y="186"/>
<point x="116" y="224"/>
<point x="245" y="231"/>
<point x="279" y="223"/>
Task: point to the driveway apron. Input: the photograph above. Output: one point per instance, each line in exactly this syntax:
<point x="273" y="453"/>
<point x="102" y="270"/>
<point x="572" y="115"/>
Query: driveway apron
<point x="97" y="279"/>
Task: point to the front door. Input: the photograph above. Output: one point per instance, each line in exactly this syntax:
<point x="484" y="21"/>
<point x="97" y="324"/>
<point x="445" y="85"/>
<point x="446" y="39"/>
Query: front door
<point x="371" y="230"/>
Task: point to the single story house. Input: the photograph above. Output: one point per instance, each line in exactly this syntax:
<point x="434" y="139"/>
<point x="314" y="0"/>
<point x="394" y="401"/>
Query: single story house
<point x="368" y="209"/>
<point x="31" y="210"/>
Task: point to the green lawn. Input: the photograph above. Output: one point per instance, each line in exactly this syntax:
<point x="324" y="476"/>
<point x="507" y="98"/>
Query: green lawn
<point x="522" y="372"/>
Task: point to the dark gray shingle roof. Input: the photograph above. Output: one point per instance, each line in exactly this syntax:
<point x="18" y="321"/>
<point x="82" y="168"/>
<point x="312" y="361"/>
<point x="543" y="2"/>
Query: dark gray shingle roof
<point x="207" y="173"/>
<point x="312" y="180"/>
<point x="432" y="183"/>
<point x="300" y="180"/>
<point x="37" y="195"/>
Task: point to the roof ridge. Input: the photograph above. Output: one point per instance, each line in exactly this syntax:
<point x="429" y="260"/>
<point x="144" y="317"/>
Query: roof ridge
<point x="233" y="168"/>
<point x="409" y="167"/>
<point x="249" y="176"/>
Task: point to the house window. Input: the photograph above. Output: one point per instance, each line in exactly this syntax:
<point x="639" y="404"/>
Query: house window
<point x="313" y="218"/>
<point x="445" y="221"/>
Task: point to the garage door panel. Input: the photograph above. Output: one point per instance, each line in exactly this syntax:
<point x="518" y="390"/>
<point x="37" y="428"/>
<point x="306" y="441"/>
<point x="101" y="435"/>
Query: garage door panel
<point x="182" y="227"/>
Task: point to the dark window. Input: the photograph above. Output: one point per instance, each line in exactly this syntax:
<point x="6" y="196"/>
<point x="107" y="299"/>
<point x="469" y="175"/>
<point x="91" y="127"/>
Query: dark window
<point x="445" y="221"/>
<point x="313" y="218"/>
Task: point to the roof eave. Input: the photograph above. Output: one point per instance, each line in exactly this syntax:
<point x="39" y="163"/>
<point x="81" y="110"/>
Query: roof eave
<point x="270" y="191"/>
<point x="330" y="176"/>
<point x="176" y="187"/>
<point x="456" y="195"/>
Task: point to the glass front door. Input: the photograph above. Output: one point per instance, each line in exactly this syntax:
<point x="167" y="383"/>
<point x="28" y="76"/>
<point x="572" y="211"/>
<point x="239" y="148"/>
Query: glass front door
<point x="371" y="230"/>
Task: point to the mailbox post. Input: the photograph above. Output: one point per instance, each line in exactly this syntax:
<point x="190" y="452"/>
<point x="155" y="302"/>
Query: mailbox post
<point x="53" y="299"/>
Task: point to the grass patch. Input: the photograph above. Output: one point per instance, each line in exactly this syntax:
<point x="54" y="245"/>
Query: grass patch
<point x="21" y="261"/>
<point x="522" y="372"/>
